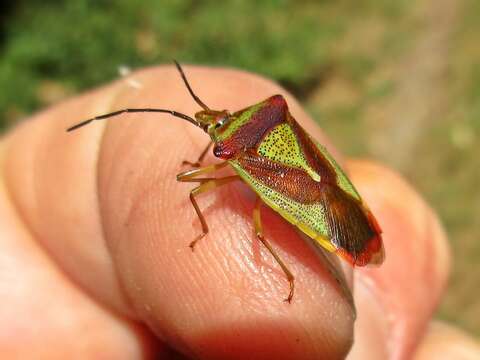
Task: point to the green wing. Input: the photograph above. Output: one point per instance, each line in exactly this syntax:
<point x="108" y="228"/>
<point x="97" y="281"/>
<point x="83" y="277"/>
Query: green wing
<point x="300" y="180"/>
<point x="309" y="218"/>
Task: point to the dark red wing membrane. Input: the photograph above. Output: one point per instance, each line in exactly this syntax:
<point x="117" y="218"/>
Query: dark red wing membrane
<point x="353" y="229"/>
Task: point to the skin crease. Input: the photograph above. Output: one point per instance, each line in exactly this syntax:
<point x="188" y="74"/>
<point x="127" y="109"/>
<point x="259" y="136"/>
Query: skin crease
<point x="95" y="233"/>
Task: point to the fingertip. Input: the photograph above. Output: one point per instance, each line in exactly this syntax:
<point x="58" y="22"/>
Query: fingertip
<point x="396" y="203"/>
<point x="217" y="302"/>
<point x="128" y="223"/>
<point x="397" y="300"/>
<point x="444" y="342"/>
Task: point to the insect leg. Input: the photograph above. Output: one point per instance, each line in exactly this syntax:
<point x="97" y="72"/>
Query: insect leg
<point x="189" y="175"/>
<point x="206" y="184"/>
<point x="257" y="221"/>
<point x="200" y="158"/>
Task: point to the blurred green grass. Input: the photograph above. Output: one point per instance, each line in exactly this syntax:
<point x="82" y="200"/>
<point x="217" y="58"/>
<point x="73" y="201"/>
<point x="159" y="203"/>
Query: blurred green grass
<point x="349" y="62"/>
<point x="55" y="47"/>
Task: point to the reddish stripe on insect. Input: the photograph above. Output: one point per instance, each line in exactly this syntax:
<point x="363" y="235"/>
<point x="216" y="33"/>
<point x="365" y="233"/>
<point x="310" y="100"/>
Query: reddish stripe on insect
<point x="313" y="156"/>
<point x="251" y="134"/>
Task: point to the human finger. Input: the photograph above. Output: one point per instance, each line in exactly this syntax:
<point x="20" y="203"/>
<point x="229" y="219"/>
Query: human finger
<point x="128" y="224"/>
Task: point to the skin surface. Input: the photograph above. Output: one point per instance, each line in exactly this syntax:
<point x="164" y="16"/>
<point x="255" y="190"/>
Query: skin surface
<point x="94" y="234"/>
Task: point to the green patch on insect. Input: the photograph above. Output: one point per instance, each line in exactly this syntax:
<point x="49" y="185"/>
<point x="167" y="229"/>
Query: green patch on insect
<point x="289" y="172"/>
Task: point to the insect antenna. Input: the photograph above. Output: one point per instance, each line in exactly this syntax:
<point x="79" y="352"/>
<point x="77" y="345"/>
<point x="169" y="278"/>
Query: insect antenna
<point x="171" y="112"/>
<point x="118" y="112"/>
<point x="195" y="97"/>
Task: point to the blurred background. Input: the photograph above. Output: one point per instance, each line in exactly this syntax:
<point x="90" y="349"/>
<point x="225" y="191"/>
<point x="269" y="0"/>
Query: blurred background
<point x="398" y="81"/>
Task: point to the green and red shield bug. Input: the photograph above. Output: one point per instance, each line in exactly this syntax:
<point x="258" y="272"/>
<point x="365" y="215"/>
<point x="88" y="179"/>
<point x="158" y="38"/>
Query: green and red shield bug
<point x="288" y="170"/>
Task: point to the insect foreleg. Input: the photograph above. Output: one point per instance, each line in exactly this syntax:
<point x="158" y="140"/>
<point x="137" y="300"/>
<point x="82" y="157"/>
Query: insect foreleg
<point x="200" y="158"/>
<point x="189" y="175"/>
<point x="206" y="184"/>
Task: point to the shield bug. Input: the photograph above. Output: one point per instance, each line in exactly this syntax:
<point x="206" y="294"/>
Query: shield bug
<point x="287" y="169"/>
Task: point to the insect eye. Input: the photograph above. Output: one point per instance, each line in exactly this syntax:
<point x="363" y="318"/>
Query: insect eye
<point x="218" y="124"/>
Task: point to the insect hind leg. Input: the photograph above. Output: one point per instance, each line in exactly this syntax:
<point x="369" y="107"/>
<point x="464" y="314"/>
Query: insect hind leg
<point x="257" y="222"/>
